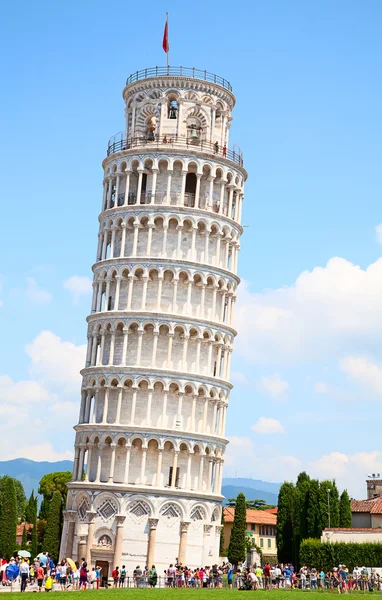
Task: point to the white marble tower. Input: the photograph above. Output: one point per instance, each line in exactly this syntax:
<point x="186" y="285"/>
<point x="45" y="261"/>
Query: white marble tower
<point x="155" y="390"/>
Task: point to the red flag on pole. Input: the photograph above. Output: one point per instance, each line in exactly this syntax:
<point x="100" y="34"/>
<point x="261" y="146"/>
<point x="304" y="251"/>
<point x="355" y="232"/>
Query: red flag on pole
<point x="165" y="44"/>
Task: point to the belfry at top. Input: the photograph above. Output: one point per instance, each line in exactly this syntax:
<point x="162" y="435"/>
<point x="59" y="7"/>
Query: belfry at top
<point x="150" y="440"/>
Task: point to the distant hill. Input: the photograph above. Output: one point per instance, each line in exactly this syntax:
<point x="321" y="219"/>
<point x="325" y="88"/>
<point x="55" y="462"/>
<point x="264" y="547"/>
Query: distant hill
<point x="250" y="493"/>
<point x="29" y="472"/>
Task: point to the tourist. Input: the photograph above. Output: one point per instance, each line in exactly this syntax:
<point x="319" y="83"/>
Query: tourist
<point x="153" y="576"/>
<point x="39" y="576"/>
<point x="137" y="574"/>
<point x="76" y="577"/>
<point x="48" y="583"/>
<point x="122" y="576"/>
<point x="267" y="576"/>
<point x="171" y="575"/>
<point x="216" y="147"/>
<point x="83" y="575"/>
<point x="24" y="574"/>
<point x="115" y="576"/>
<point x="61" y="571"/>
<point x="230" y="576"/>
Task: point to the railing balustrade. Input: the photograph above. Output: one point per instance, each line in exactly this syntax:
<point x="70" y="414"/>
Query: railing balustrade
<point x="179" y="72"/>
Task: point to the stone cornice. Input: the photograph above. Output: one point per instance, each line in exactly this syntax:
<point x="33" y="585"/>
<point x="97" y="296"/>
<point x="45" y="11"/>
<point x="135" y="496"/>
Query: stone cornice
<point x="185" y="153"/>
<point x="111" y="315"/>
<point x="146" y="431"/>
<point x="165" y="263"/>
<point x="135" y="372"/>
<point x="143" y="489"/>
<point x="157" y="209"/>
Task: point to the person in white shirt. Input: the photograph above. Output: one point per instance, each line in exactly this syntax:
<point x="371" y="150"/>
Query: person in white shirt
<point x="24" y="574"/>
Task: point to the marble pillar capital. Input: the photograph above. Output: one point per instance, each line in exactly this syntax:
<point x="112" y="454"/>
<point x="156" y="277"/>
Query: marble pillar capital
<point x="91" y="516"/>
<point x="120" y="519"/>
<point x="153" y="523"/>
<point x="184" y="525"/>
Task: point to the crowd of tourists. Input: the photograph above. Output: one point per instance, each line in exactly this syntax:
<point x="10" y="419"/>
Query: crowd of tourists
<point x="339" y="579"/>
<point x="43" y="574"/>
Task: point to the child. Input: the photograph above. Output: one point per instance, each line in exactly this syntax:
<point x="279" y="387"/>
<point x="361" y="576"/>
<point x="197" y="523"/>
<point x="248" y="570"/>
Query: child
<point x="48" y="583"/>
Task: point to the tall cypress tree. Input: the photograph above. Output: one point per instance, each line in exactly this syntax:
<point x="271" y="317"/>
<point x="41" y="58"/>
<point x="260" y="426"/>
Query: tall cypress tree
<point x="24" y="539"/>
<point x="8" y="517"/>
<point x="345" y="510"/>
<point x="222" y="536"/>
<point x="53" y="527"/>
<point x="285" y="522"/>
<point x="313" y="512"/>
<point x="237" y="548"/>
<point x="31" y="517"/>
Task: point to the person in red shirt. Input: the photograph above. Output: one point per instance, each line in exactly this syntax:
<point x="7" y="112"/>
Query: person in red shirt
<point x="115" y="576"/>
<point x="40" y="577"/>
<point x="267" y="576"/>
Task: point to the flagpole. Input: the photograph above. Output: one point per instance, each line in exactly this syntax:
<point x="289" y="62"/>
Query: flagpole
<point x="167" y="42"/>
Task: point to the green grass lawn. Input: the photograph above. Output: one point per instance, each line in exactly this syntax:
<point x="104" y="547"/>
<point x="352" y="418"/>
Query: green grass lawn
<point x="202" y="594"/>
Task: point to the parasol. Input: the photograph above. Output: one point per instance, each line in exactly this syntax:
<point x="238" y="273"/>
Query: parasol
<point x="12" y="572"/>
<point x="24" y="554"/>
<point x="71" y="562"/>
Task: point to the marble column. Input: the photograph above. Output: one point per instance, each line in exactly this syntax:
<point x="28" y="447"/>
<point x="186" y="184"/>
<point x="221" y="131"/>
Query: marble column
<point x="151" y="545"/>
<point x="183" y="542"/>
<point x="91" y="520"/>
<point x="120" y="520"/>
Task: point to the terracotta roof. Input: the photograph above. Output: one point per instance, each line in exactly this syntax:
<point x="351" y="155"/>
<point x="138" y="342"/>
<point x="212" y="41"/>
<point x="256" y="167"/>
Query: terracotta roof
<point x="372" y="506"/>
<point x="261" y="517"/>
<point x="20" y="528"/>
<point x="373" y="480"/>
<point x="273" y="511"/>
<point x="376" y="529"/>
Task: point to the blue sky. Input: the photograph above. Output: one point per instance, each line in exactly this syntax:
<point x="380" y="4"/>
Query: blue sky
<point x="308" y="364"/>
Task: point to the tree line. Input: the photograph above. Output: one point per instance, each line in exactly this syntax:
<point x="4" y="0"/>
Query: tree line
<point x="304" y="511"/>
<point x="42" y="515"/>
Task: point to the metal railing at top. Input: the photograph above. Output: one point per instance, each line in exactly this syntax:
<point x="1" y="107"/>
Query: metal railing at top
<point x="179" y="72"/>
<point x="173" y="141"/>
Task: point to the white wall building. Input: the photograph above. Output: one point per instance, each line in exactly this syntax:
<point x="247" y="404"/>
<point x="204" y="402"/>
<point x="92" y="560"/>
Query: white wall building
<point x="156" y="382"/>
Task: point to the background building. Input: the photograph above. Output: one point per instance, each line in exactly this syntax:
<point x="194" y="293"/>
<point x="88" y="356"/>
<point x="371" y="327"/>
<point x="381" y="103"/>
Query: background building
<point x="261" y="528"/>
<point x="155" y="390"/>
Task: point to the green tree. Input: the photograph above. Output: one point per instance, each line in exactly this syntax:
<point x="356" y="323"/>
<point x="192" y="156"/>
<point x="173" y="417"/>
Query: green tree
<point x="312" y="513"/>
<point x="20" y="495"/>
<point x="222" y="536"/>
<point x="24" y="539"/>
<point x="31" y="517"/>
<point x="41" y="528"/>
<point x="8" y="517"/>
<point x="285" y="522"/>
<point x="329" y="504"/>
<point x="50" y="483"/>
<point x="345" y="510"/>
<point x="237" y="543"/>
<point x="53" y="526"/>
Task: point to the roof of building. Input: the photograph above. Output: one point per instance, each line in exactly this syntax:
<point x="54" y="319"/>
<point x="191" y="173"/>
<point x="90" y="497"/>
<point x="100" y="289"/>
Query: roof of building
<point x="375" y="529"/>
<point x="273" y="511"/>
<point x="373" y="480"/>
<point x="261" y="517"/>
<point x="20" y="528"/>
<point x="372" y="506"/>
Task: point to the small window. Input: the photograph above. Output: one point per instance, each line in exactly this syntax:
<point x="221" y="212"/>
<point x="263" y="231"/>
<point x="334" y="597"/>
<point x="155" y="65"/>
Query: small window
<point x="109" y="303"/>
<point x="269" y="543"/>
<point x="253" y="527"/>
<point x="261" y="543"/>
<point x="176" y="477"/>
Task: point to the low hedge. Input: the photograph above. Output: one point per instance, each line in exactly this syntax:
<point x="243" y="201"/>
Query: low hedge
<point x="324" y="555"/>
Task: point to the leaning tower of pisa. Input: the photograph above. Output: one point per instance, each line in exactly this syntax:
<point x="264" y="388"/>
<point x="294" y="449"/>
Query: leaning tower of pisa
<point x="150" y="440"/>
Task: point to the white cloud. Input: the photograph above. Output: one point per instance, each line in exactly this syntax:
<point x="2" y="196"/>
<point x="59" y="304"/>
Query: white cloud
<point x="22" y="392"/>
<point x="239" y="378"/>
<point x="321" y="388"/>
<point x="273" y="385"/>
<point x="246" y="458"/>
<point x="329" y="310"/>
<point x="364" y="372"/>
<point x="378" y="233"/>
<point x="57" y="361"/>
<point x="349" y="470"/>
<point x="36" y="294"/>
<point x="78" y="286"/>
<point x="267" y="426"/>
<point x="38" y="452"/>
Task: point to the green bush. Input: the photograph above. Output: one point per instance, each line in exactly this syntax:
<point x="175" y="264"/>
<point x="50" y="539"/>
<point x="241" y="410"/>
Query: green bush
<point x="314" y="553"/>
